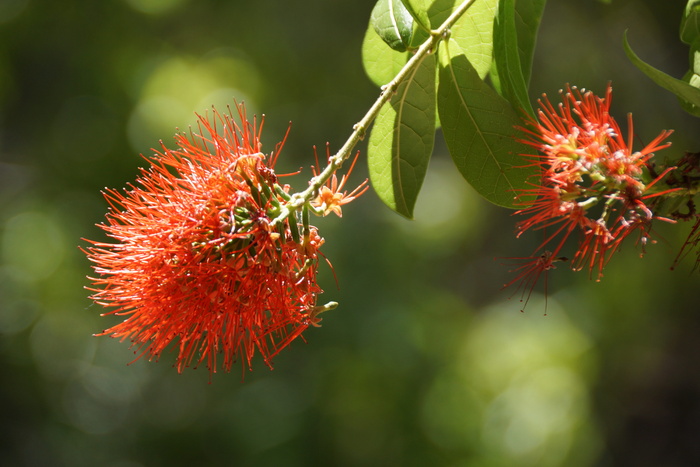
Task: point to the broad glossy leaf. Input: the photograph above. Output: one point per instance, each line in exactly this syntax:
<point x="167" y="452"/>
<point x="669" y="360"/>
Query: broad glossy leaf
<point x="688" y="94"/>
<point x="402" y="138"/>
<point x="381" y="62"/>
<point x="480" y="130"/>
<point x="438" y="11"/>
<point x="506" y="58"/>
<point x="528" y="15"/>
<point x="393" y="22"/>
<point x="690" y="24"/>
<point x="419" y="11"/>
<point x="472" y="34"/>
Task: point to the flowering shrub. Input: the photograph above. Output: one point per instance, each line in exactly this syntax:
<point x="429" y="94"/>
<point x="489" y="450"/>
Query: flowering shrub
<point x="216" y="257"/>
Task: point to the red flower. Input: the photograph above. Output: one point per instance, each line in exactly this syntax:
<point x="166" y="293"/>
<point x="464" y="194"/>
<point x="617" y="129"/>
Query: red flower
<point x="199" y="262"/>
<point x="591" y="184"/>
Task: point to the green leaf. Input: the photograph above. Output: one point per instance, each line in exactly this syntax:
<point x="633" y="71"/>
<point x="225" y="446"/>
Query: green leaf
<point x="480" y="130"/>
<point x="510" y="77"/>
<point x="695" y="57"/>
<point x="381" y="63"/>
<point x="528" y="15"/>
<point x="402" y="138"/>
<point x="690" y="24"/>
<point x="693" y="79"/>
<point x="419" y="11"/>
<point x="393" y="22"/>
<point x="439" y="10"/>
<point x="688" y="95"/>
<point x="472" y="34"/>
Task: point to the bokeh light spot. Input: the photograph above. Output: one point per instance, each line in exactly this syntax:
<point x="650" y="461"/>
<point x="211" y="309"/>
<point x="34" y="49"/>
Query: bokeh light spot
<point x="157" y="115"/>
<point x="177" y="88"/>
<point x="154" y="7"/>
<point x="62" y="346"/>
<point x="32" y="246"/>
<point x="445" y="210"/>
<point x="11" y="9"/>
<point x="17" y="315"/>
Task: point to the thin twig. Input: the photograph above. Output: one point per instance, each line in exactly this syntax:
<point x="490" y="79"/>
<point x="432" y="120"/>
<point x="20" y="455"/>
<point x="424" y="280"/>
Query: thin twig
<point x="359" y="129"/>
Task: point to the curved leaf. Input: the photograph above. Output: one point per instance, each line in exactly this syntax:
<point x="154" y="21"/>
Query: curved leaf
<point x="419" y="11"/>
<point x="381" y="63"/>
<point x="402" y="138"/>
<point x="480" y="130"/>
<point x="506" y="58"/>
<point x="439" y="10"/>
<point x="393" y="22"/>
<point x="528" y="15"/>
<point x="690" y="24"/>
<point x="688" y="95"/>
<point x="472" y="35"/>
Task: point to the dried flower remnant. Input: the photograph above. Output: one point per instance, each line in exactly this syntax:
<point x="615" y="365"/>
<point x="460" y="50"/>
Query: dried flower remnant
<point x="686" y="178"/>
<point x="199" y="261"/>
<point x="528" y="273"/>
<point x="691" y="242"/>
<point x="590" y="185"/>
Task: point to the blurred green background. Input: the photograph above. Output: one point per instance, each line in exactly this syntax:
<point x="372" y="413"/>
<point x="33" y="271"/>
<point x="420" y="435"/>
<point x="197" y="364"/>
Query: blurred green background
<point x="427" y="361"/>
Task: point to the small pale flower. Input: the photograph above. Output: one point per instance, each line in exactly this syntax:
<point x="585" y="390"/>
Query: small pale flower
<point x="330" y="197"/>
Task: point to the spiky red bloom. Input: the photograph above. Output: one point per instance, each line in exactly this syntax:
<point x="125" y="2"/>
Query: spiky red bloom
<point x="198" y="260"/>
<point x="591" y="183"/>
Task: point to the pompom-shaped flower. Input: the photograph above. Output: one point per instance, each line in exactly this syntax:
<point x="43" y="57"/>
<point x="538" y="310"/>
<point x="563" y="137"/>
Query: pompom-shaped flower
<point x="202" y="260"/>
<point x="590" y="183"/>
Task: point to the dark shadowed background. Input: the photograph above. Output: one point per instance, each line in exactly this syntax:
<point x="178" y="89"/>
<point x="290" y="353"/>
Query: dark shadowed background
<point x="426" y="361"/>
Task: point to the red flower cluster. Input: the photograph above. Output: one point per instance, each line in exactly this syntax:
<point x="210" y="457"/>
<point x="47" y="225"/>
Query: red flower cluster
<point x="201" y="260"/>
<point x="590" y="184"/>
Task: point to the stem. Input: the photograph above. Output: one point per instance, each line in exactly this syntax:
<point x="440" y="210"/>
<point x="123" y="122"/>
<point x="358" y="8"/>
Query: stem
<point x="359" y="129"/>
